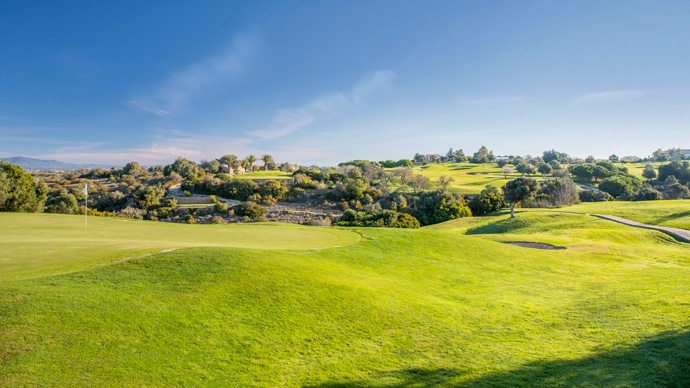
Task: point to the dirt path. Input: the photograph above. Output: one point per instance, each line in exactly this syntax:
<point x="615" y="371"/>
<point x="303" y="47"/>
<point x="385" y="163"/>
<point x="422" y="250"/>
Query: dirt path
<point x="681" y="234"/>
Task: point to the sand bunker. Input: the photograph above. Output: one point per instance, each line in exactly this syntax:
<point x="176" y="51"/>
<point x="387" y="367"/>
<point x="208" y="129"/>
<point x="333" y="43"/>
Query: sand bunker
<point x="535" y="245"/>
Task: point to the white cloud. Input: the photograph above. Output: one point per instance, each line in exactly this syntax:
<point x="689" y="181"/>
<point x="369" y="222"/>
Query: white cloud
<point x="287" y="121"/>
<point x="178" y="88"/>
<point x="492" y="100"/>
<point x="611" y="95"/>
<point x="163" y="150"/>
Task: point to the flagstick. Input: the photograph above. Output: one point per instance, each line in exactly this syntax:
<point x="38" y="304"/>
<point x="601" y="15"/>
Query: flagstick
<point x="86" y="205"/>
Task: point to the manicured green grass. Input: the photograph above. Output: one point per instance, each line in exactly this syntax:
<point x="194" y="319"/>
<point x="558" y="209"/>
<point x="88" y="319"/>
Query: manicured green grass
<point x="39" y="244"/>
<point x="266" y="175"/>
<point x="440" y="306"/>
<point x="469" y="178"/>
<point x="675" y="213"/>
<point x="637" y="168"/>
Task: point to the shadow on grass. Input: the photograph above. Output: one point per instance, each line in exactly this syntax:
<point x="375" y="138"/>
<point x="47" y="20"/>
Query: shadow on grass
<point x="661" y="361"/>
<point x="672" y="217"/>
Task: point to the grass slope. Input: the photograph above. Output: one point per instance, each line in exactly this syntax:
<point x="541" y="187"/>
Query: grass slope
<point x="440" y="306"/>
<point x="469" y="178"/>
<point x="40" y="244"/>
<point x="675" y="213"/>
<point x="266" y="175"/>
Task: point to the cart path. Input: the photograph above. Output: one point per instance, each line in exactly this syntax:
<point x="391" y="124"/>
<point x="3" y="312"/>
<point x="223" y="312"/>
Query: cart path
<point x="681" y="234"/>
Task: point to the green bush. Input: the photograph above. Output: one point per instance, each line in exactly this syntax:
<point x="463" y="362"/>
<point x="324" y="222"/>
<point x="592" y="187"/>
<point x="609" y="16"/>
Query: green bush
<point x="488" y="201"/>
<point x="249" y="209"/>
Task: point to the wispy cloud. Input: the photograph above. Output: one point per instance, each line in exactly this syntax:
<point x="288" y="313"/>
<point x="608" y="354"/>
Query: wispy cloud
<point x="492" y="100"/>
<point x="163" y="150"/>
<point x="611" y="95"/>
<point x="198" y="78"/>
<point x="287" y="121"/>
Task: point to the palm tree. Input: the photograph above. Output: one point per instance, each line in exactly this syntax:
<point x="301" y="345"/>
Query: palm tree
<point x="251" y="159"/>
<point x="266" y="158"/>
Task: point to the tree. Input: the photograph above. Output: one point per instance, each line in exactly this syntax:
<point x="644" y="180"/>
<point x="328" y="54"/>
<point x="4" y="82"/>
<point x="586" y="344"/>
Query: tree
<point x="529" y="170"/>
<point x="518" y="191"/>
<point x="583" y="171"/>
<point x="618" y="185"/>
<point x="502" y="162"/>
<point x="648" y="194"/>
<point x="599" y="172"/>
<point x="266" y="158"/>
<point x="18" y="190"/>
<point x="676" y="191"/>
<point x="405" y="175"/>
<point x="483" y="156"/>
<point x="450" y="154"/>
<point x="418" y="158"/>
<point x="420" y="182"/>
<point x="521" y="166"/>
<point x="133" y="168"/>
<point x="505" y="170"/>
<point x="614" y="158"/>
<point x="432" y="207"/>
<point x="557" y="192"/>
<point x="649" y="172"/>
<point x="488" y="201"/>
<point x="590" y="159"/>
<point x="251" y="159"/>
<point x="544" y="169"/>
<point x="228" y="159"/>
<point x="445" y="180"/>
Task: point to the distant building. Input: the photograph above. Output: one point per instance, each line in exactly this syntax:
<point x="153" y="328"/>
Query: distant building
<point x="686" y="153"/>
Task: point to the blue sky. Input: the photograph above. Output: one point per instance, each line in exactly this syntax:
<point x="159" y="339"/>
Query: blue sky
<point x="324" y="82"/>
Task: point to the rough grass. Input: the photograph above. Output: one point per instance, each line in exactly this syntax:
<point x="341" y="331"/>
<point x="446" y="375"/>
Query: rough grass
<point x="469" y="178"/>
<point x="438" y="306"/>
<point x="674" y="213"/>
<point x="39" y="244"/>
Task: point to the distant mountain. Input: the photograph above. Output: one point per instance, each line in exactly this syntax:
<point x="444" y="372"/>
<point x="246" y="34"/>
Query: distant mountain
<point x="39" y="164"/>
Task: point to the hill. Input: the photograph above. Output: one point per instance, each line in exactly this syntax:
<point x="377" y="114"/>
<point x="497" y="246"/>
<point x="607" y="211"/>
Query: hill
<point x="468" y="178"/>
<point x="449" y="305"/>
<point x="40" y="164"/>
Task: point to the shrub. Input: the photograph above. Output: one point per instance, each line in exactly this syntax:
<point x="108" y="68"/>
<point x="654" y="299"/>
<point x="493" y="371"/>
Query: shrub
<point x="217" y="220"/>
<point x="439" y="206"/>
<point x="319" y="222"/>
<point x="63" y="203"/>
<point x="249" y="209"/>
<point x="220" y="207"/>
<point x="385" y="218"/>
<point x="189" y="219"/>
<point x="595" y="196"/>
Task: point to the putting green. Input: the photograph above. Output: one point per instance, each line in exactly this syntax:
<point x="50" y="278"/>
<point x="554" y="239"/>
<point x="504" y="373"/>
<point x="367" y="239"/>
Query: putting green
<point x="38" y="244"/>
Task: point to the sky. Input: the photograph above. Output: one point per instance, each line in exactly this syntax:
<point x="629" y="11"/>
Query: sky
<point x="324" y="82"/>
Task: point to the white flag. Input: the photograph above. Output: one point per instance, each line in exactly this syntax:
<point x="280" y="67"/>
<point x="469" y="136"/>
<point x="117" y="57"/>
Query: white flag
<point x="86" y="190"/>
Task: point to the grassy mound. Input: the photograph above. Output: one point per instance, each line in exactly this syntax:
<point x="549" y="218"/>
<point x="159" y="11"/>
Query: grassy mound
<point x="469" y="178"/>
<point x="442" y="306"/>
<point x="675" y="214"/>
<point x="39" y="244"/>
